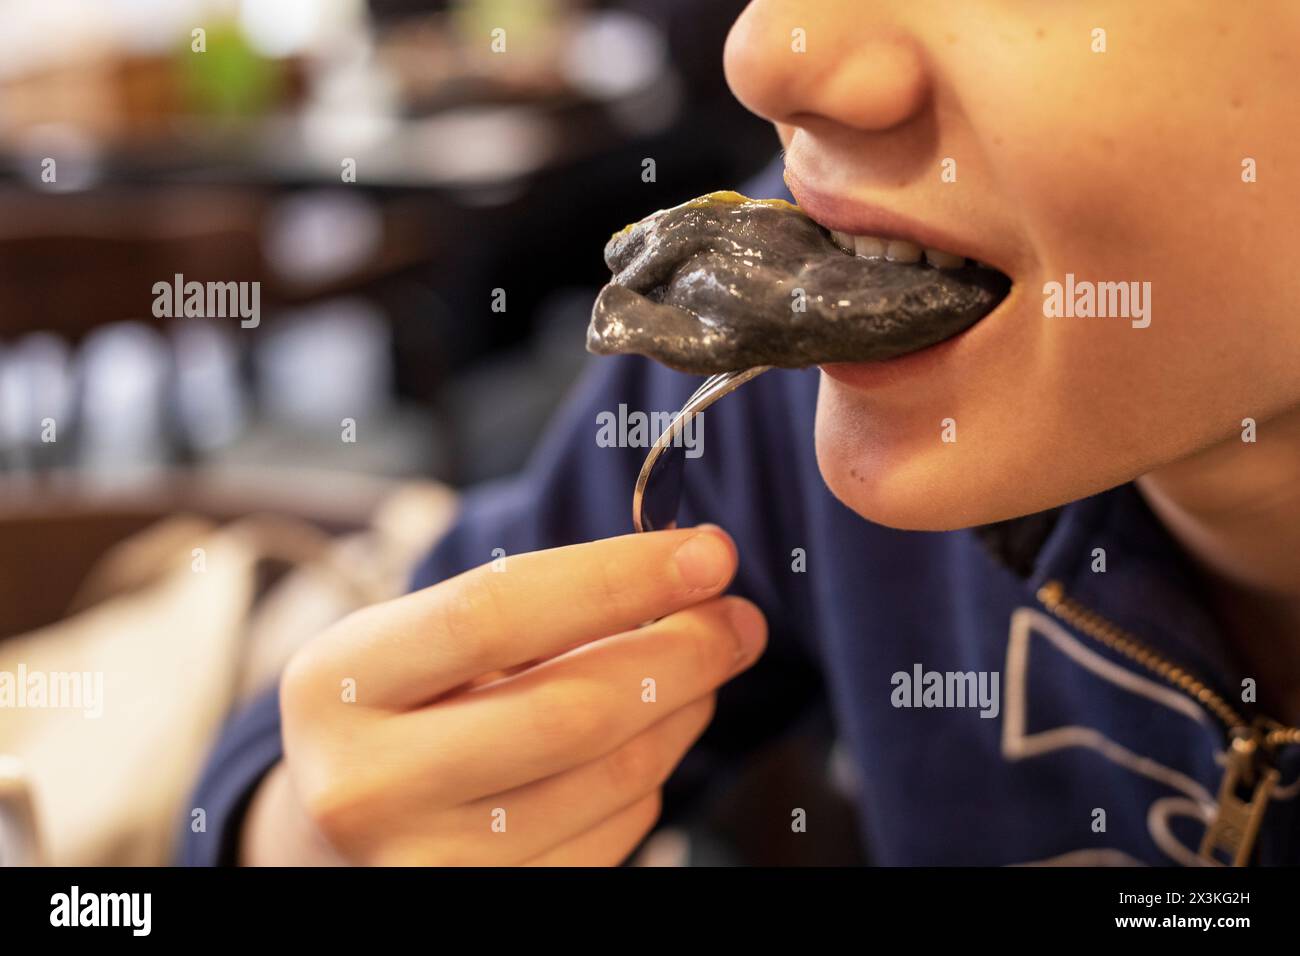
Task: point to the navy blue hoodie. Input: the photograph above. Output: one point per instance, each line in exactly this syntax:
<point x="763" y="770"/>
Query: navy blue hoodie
<point x="1049" y="745"/>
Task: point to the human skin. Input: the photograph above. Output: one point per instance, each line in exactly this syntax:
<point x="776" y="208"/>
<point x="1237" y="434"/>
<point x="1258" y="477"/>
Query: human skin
<point x="1123" y="165"/>
<point x="500" y="716"/>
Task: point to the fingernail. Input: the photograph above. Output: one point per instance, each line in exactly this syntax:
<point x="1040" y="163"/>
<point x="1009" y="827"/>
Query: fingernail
<point x="704" y="561"/>
<point x="750" y="628"/>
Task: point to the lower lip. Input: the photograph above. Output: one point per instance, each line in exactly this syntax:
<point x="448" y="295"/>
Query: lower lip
<point x="924" y="362"/>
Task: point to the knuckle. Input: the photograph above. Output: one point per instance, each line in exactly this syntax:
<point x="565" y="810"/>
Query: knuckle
<point x="708" y="640"/>
<point x="608" y="589"/>
<point x="352" y="628"/>
<point x="561" y="712"/>
<point x="651" y="808"/>
<point x="310" y="678"/>
<point x="292" y="679"/>
<point x="464" y="613"/>
<point x="638" y="766"/>
<point x="339" y="809"/>
<point x="301" y="681"/>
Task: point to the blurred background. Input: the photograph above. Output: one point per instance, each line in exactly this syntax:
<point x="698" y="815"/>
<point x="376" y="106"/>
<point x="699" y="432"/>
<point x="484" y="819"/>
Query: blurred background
<point x="424" y="211"/>
<point x="380" y="170"/>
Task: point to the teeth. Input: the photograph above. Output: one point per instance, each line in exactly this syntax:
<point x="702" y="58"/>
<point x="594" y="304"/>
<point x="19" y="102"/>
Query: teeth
<point x="900" y="250"/>
<point x="869" y="247"/>
<point x="944" y="260"/>
<point x="896" y="250"/>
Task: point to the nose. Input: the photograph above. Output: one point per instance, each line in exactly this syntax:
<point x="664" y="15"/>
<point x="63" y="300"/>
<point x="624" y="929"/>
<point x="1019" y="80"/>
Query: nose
<point x="824" y="64"/>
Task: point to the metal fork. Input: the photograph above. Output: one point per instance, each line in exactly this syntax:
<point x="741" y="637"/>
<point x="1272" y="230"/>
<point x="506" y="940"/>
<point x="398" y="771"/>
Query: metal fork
<point x="658" y="489"/>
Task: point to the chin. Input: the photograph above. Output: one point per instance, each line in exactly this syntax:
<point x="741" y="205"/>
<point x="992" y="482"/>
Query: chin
<point x="894" y="471"/>
<point x="886" y="498"/>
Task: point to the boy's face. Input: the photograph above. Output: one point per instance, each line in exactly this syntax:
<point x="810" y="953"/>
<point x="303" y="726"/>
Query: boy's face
<point x="1126" y="165"/>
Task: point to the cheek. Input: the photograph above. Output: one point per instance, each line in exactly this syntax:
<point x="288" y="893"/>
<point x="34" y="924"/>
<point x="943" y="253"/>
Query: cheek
<point x="1105" y="185"/>
<point x="999" y="435"/>
<point x="1215" y="267"/>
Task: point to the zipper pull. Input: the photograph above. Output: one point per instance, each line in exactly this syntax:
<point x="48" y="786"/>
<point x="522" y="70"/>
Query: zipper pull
<point x="1244" y="793"/>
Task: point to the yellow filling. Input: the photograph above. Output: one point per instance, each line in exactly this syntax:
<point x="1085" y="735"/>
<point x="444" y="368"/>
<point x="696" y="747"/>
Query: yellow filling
<point x="720" y="196"/>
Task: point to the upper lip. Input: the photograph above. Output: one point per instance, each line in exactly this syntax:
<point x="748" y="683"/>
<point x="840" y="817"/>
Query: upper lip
<point x="841" y="214"/>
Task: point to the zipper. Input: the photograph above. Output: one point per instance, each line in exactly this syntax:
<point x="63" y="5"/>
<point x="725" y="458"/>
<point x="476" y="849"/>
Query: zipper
<point x="1249" y="778"/>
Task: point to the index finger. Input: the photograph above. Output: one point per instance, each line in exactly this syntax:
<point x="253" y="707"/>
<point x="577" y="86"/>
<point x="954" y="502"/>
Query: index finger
<point x="531" y="606"/>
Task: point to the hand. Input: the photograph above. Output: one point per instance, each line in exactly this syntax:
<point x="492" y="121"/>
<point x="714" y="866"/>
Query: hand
<point x="522" y="715"/>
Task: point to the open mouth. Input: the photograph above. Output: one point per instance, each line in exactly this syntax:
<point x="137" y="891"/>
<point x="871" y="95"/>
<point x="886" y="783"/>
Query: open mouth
<point x="724" y="282"/>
